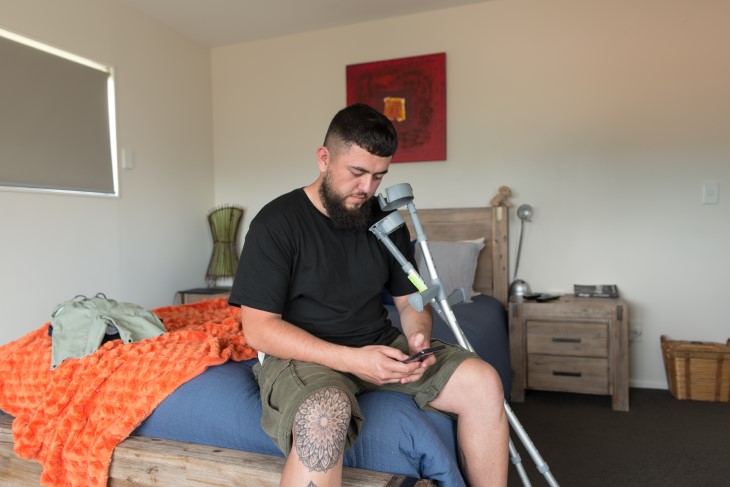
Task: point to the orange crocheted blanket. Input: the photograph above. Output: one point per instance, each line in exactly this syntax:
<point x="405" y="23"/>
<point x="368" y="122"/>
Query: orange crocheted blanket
<point x="70" y="419"/>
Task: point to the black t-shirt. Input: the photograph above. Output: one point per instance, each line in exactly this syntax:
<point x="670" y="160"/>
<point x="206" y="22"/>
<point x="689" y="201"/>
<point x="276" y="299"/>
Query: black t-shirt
<point x="324" y="280"/>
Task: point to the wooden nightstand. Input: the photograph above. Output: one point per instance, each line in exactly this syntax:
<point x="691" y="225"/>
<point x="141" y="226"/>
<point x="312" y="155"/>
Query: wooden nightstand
<point x="570" y="344"/>
<point x="199" y="293"/>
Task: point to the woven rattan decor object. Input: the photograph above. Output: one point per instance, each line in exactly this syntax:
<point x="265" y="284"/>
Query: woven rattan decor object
<point x="698" y="371"/>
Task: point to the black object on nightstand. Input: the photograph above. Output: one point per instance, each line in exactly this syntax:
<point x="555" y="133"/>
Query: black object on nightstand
<point x="541" y="297"/>
<point x="546" y="297"/>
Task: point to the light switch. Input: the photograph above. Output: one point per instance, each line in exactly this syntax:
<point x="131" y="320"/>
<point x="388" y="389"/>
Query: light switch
<point x="127" y="159"/>
<point x="710" y="193"/>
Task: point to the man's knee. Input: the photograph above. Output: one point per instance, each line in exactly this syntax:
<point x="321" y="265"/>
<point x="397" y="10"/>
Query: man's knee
<point x="320" y="428"/>
<point x="493" y="380"/>
<point x="484" y="380"/>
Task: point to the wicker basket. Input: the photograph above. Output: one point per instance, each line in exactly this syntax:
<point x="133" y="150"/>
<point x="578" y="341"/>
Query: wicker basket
<point x="698" y="371"/>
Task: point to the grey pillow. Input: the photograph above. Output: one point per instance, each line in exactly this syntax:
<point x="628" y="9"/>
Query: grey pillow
<point x="456" y="264"/>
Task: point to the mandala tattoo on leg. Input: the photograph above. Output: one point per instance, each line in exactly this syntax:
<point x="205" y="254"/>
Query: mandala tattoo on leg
<point x="320" y="428"/>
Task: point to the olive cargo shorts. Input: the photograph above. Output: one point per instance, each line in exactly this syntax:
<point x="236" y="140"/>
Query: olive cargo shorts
<point x="285" y="384"/>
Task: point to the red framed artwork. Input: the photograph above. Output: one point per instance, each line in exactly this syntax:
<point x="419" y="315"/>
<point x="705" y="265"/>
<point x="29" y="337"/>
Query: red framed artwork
<point x="411" y="92"/>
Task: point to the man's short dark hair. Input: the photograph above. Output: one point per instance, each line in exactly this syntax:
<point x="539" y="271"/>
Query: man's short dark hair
<point x="364" y="126"/>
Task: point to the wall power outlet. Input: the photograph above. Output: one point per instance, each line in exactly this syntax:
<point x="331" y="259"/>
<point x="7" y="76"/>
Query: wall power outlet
<point x="636" y="331"/>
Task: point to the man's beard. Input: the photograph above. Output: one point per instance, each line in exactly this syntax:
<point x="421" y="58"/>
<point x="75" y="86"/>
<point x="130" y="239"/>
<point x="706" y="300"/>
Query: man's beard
<point x="342" y="217"/>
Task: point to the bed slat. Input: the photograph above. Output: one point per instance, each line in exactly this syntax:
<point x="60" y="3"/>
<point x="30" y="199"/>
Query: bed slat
<point x="141" y="461"/>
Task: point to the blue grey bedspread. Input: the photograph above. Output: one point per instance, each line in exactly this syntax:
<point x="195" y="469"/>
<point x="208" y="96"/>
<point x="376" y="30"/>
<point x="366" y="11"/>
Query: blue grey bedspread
<point x="222" y="407"/>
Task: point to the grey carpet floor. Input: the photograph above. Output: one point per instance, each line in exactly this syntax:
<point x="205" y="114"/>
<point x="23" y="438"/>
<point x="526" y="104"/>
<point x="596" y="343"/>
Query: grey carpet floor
<point x="661" y="441"/>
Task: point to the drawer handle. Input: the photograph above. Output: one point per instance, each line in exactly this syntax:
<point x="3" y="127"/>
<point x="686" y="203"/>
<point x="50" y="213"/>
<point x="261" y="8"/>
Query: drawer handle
<point x="566" y="340"/>
<point x="567" y="374"/>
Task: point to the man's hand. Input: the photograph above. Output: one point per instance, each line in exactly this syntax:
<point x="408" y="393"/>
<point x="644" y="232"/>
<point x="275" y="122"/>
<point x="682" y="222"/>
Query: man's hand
<point x="417" y="327"/>
<point x="380" y="364"/>
<point x="418" y="342"/>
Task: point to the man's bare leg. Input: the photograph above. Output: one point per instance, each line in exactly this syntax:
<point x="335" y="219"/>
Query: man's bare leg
<point x="475" y="393"/>
<point x="318" y="440"/>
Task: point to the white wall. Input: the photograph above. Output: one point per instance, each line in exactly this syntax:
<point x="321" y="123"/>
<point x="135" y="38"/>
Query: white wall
<point x="151" y="241"/>
<point x="606" y="116"/>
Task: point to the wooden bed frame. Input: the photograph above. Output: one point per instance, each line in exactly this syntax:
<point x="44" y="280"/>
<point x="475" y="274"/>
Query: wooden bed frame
<point x="141" y="461"/>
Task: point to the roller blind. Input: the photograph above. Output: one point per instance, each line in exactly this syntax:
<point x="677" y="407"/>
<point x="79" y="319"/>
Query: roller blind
<point x="55" y="127"/>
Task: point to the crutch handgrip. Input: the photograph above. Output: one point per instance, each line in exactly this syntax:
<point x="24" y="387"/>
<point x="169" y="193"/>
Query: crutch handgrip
<point x="419" y="300"/>
<point x="456" y="297"/>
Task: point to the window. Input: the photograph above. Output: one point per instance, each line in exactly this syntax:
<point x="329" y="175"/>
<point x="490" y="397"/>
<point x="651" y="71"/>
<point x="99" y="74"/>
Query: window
<point x="57" y="122"/>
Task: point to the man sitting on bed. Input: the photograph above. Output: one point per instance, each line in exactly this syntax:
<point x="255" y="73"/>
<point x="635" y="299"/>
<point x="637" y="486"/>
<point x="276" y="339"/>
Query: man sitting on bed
<point x="309" y="285"/>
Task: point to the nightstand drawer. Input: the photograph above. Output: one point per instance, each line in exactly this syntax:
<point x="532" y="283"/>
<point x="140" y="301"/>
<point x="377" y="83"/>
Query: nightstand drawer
<point x="577" y="374"/>
<point x="567" y="338"/>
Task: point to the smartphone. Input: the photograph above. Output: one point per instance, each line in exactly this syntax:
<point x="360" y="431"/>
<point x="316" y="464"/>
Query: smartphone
<point x="423" y="354"/>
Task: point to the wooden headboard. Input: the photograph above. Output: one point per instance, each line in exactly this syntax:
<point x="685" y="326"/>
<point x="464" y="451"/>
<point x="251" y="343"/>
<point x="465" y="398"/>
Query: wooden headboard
<point x="492" y="223"/>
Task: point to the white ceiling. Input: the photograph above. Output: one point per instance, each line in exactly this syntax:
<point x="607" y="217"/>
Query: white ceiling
<point x="221" y="22"/>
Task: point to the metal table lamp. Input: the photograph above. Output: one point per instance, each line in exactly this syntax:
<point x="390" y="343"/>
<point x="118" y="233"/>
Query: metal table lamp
<point x="518" y="286"/>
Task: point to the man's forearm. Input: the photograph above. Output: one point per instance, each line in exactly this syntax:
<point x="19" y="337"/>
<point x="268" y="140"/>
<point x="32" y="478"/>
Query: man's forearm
<point x="377" y="364"/>
<point x="276" y="337"/>
<point x="413" y="321"/>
